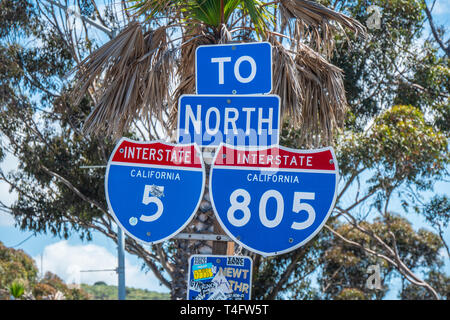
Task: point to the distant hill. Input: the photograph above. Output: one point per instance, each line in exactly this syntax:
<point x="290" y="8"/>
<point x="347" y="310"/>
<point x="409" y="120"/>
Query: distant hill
<point x="19" y="275"/>
<point x="102" y="291"/>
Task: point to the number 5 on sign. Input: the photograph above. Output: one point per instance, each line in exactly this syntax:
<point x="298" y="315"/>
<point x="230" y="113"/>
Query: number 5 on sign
<point x="146" y="199"/>
<point x="297" y="206"/>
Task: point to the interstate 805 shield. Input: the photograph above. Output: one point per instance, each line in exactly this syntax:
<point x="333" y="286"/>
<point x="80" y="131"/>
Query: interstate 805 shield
<point x="153" y="188"/>
<point x="273" y="200"/>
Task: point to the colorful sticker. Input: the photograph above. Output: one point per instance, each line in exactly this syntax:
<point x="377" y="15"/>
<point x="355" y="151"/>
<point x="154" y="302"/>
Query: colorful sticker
<point x="202" y="271"/>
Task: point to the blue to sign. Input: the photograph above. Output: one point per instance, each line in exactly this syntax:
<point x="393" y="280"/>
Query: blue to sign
<point x="273" y="200"/>
<point x="215" y="277"/>
<point x="208" y="120"/>
<point x="153" y="189"/>
<point x="244" y="68"/>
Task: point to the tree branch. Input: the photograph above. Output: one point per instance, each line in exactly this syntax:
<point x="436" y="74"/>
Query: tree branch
<point x="286" y="274"/>
<point x="393" y="258"/>
<point x="434" y="31"/>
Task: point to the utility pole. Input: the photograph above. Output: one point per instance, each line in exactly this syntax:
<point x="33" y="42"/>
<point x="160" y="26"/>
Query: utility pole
<point x="42" y="265"/>
<point x="121" y="263"/>
<point x="120" y="236"/>
<point x="121" y="292"/>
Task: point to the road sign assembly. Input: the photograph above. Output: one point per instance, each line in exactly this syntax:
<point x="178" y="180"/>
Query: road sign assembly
<point x="215" y="277"/>
<point x="208" y="120"/>
<point x="154" y="188"/>
<point x="240" y="68"/>
<point x="273" y="200"/>
<point x="268" y="198"/>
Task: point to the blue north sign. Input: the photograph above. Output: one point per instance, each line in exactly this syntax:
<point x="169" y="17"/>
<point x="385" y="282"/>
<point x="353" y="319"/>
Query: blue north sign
<point x="209" y="120"/>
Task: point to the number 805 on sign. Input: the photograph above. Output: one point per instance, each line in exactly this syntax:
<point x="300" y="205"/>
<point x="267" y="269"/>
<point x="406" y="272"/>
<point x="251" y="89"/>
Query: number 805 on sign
<point x="243" y="206"/>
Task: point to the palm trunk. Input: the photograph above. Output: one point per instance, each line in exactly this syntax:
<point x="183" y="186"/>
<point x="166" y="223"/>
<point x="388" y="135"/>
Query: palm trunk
<point x="204" y="221"/>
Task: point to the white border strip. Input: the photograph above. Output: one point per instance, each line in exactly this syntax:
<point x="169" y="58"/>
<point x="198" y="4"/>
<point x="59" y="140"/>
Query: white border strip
<point x="149" y="165"/>
<point x="273" y="169"/>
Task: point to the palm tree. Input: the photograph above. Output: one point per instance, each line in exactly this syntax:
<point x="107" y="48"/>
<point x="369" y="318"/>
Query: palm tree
<point x="150" y="63"/>
<point x="143" y="70"/>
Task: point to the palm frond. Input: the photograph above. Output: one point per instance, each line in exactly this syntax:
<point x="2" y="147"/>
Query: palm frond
<point x="132" y="73"/>
<point x="194" y="37"/>
<point x="151" y="8"/>
<point x="316" y="23"/>
<point x="259" y="16"/>
<point x="141" y="74"/>
<point x="159" y="75"/>
<point x="311" y="90"/>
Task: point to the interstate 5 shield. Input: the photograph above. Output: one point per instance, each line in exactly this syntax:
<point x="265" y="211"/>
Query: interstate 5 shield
<point x="153" y="189"/>
<point x="273" y="200"/>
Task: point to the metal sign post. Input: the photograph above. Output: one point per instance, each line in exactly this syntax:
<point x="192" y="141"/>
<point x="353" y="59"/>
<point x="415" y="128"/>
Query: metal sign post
<point x="121" y="263"/>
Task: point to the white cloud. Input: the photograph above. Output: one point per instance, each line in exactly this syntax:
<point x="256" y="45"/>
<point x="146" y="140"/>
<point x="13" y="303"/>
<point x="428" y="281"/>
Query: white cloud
<point x="66" y="261"/>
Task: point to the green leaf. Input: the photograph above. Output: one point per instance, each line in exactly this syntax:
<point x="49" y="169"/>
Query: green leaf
<point x="16" y="289"/>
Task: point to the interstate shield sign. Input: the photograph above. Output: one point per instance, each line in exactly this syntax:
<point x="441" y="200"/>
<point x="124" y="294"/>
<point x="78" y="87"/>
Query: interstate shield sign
<point x="273" y="200"/>
<point x="153" y="188"/>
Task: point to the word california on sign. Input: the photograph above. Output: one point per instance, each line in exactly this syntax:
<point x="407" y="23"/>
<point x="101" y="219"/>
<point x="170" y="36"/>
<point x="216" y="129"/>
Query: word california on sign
<point x="154" y="188"/>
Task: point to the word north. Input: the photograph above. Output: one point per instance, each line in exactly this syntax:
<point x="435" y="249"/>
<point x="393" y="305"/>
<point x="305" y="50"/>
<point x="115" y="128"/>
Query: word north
<point x="196" y="310"/>
<point x="209" y="120"/>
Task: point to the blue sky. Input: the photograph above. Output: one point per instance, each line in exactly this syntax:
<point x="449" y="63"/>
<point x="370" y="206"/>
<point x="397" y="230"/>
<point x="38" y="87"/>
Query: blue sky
<point x="67" y="257"/>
